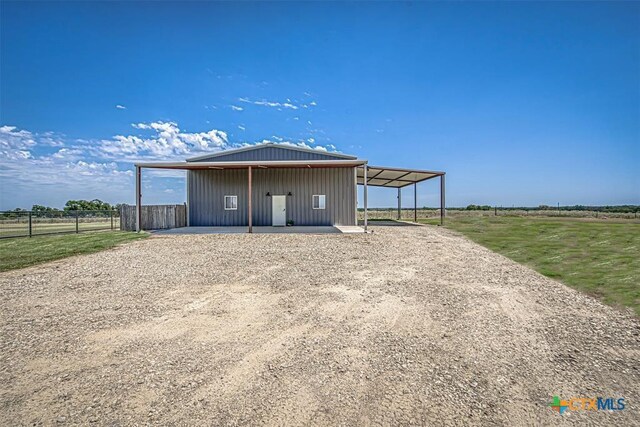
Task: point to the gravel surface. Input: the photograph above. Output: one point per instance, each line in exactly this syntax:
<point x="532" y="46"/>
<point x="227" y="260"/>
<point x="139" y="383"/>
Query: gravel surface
<point x="404" y="326"/>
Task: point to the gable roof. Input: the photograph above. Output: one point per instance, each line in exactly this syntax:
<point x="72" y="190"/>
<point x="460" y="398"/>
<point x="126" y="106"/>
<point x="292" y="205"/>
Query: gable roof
<point x="238" y="153"/>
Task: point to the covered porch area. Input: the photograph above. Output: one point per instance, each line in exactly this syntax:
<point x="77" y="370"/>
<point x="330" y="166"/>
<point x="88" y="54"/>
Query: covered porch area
<point x="250" y="180"/>
<point x="398" y="178"/>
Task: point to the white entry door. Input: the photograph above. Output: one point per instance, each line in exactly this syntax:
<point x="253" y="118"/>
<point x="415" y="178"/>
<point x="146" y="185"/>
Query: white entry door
<point x="279" y="210"/>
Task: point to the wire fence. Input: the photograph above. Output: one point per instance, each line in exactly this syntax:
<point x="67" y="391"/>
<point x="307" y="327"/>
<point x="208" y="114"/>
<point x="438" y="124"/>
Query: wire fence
<point x="30" y="223"/>
<point x="426" y="213"/>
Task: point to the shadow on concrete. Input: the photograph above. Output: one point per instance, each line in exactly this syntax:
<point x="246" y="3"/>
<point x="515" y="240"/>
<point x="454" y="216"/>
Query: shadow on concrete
<point x="256" y="230"/>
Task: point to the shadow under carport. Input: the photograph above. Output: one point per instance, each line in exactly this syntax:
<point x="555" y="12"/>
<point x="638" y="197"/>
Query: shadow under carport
<point x="388" y="223"/>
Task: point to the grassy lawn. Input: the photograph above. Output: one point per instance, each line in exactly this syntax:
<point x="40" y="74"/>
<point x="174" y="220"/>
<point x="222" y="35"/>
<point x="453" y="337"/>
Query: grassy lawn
<point x="25" y="251"/>
<point x="595" y="256"/>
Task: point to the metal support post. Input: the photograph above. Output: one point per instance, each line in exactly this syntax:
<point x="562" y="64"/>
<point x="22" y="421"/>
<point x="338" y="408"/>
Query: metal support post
<point x="415" y="202"/>
<point x="442" y="202"/>
<point x="365" y="166"/>
<point x="249" y="213"/>
<point x="138" y="199"/>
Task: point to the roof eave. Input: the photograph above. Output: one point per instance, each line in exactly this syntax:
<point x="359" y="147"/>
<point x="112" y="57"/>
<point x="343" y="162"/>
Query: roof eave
<point x="246" y="164"/>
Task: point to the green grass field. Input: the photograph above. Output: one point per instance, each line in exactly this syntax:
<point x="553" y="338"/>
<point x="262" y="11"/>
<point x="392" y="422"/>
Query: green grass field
<point x="24" y="251"/>
<point x="599" y="257"/>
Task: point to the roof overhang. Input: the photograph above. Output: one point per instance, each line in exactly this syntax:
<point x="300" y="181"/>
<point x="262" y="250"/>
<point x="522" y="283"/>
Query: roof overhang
<point x="381" y="176"/>
<point x="377" y="176"/>
<point x="256" y="164"/>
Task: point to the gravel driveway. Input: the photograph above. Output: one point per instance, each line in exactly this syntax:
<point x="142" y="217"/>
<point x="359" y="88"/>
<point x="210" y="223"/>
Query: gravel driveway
<point x="408" y="325"/>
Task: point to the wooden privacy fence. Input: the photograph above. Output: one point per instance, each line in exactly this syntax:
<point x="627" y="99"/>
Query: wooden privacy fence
<point x="154" y="217"/>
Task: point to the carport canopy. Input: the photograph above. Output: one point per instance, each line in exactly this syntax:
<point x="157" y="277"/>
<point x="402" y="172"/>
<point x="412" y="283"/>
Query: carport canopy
<point x="381" y="176"/>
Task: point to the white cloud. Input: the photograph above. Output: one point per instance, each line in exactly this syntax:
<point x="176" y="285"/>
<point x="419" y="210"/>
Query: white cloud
<point x="51" y="139"/>
<point x="303" y="144"/>
<point x="96" y="169"/>
<point x="16" y="144"/>
<point x="28" y="176"/>
<point x="68" y="154"/>
<point x="168" y="141"/>
<point x="236" y="108"/>
<point x="121" y="107"/>
<point x="31" y="172"/>
<point x="273" y="104"/>
<point x="10" y="137"/>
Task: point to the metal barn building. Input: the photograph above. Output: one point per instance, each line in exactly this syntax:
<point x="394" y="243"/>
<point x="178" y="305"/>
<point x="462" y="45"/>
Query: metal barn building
<point x="277" y="185"/>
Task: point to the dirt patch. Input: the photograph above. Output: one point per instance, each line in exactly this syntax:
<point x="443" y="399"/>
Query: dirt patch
<point x="408" y="325"/>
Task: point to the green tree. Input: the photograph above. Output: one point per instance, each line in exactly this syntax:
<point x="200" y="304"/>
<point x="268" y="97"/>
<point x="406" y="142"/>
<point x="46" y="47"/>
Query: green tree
<point x="87" y="205"/>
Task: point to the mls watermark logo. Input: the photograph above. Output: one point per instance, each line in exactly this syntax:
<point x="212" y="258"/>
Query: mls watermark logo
<point x="587" y="404"/>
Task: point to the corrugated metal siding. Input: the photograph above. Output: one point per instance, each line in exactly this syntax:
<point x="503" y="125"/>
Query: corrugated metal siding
<point x="207" y="188"/>
<point x="206" y="197"/>
<point x="270" y="153"/>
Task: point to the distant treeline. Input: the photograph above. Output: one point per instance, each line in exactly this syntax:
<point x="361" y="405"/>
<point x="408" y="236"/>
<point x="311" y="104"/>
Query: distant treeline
<point x="606" y="209"/>
<point x="612" y="209"/>
<point x="69" y="207"/>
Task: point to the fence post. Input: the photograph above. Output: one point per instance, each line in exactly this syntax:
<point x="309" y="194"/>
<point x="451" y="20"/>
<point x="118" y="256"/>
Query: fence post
<point x="111" y="220"/>
<point x="30" y="225"/>
<point x="77" y="230"/>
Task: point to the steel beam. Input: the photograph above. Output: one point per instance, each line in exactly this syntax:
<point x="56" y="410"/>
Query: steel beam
<point x="249" y="204"/>
<point x="355" y="193"/>
<point x="365" y="196"/>
<point x="415" y="202"/>
<point x="138" y="199"/>
<point x="442" y="203"/>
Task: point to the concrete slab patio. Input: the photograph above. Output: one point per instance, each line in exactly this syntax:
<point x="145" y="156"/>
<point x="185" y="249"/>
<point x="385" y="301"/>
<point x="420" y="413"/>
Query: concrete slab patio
<point x="261" y="230"/>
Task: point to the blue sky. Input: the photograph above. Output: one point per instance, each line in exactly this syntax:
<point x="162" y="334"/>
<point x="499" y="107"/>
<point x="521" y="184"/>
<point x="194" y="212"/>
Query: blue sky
<point x="520" y="103"/>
